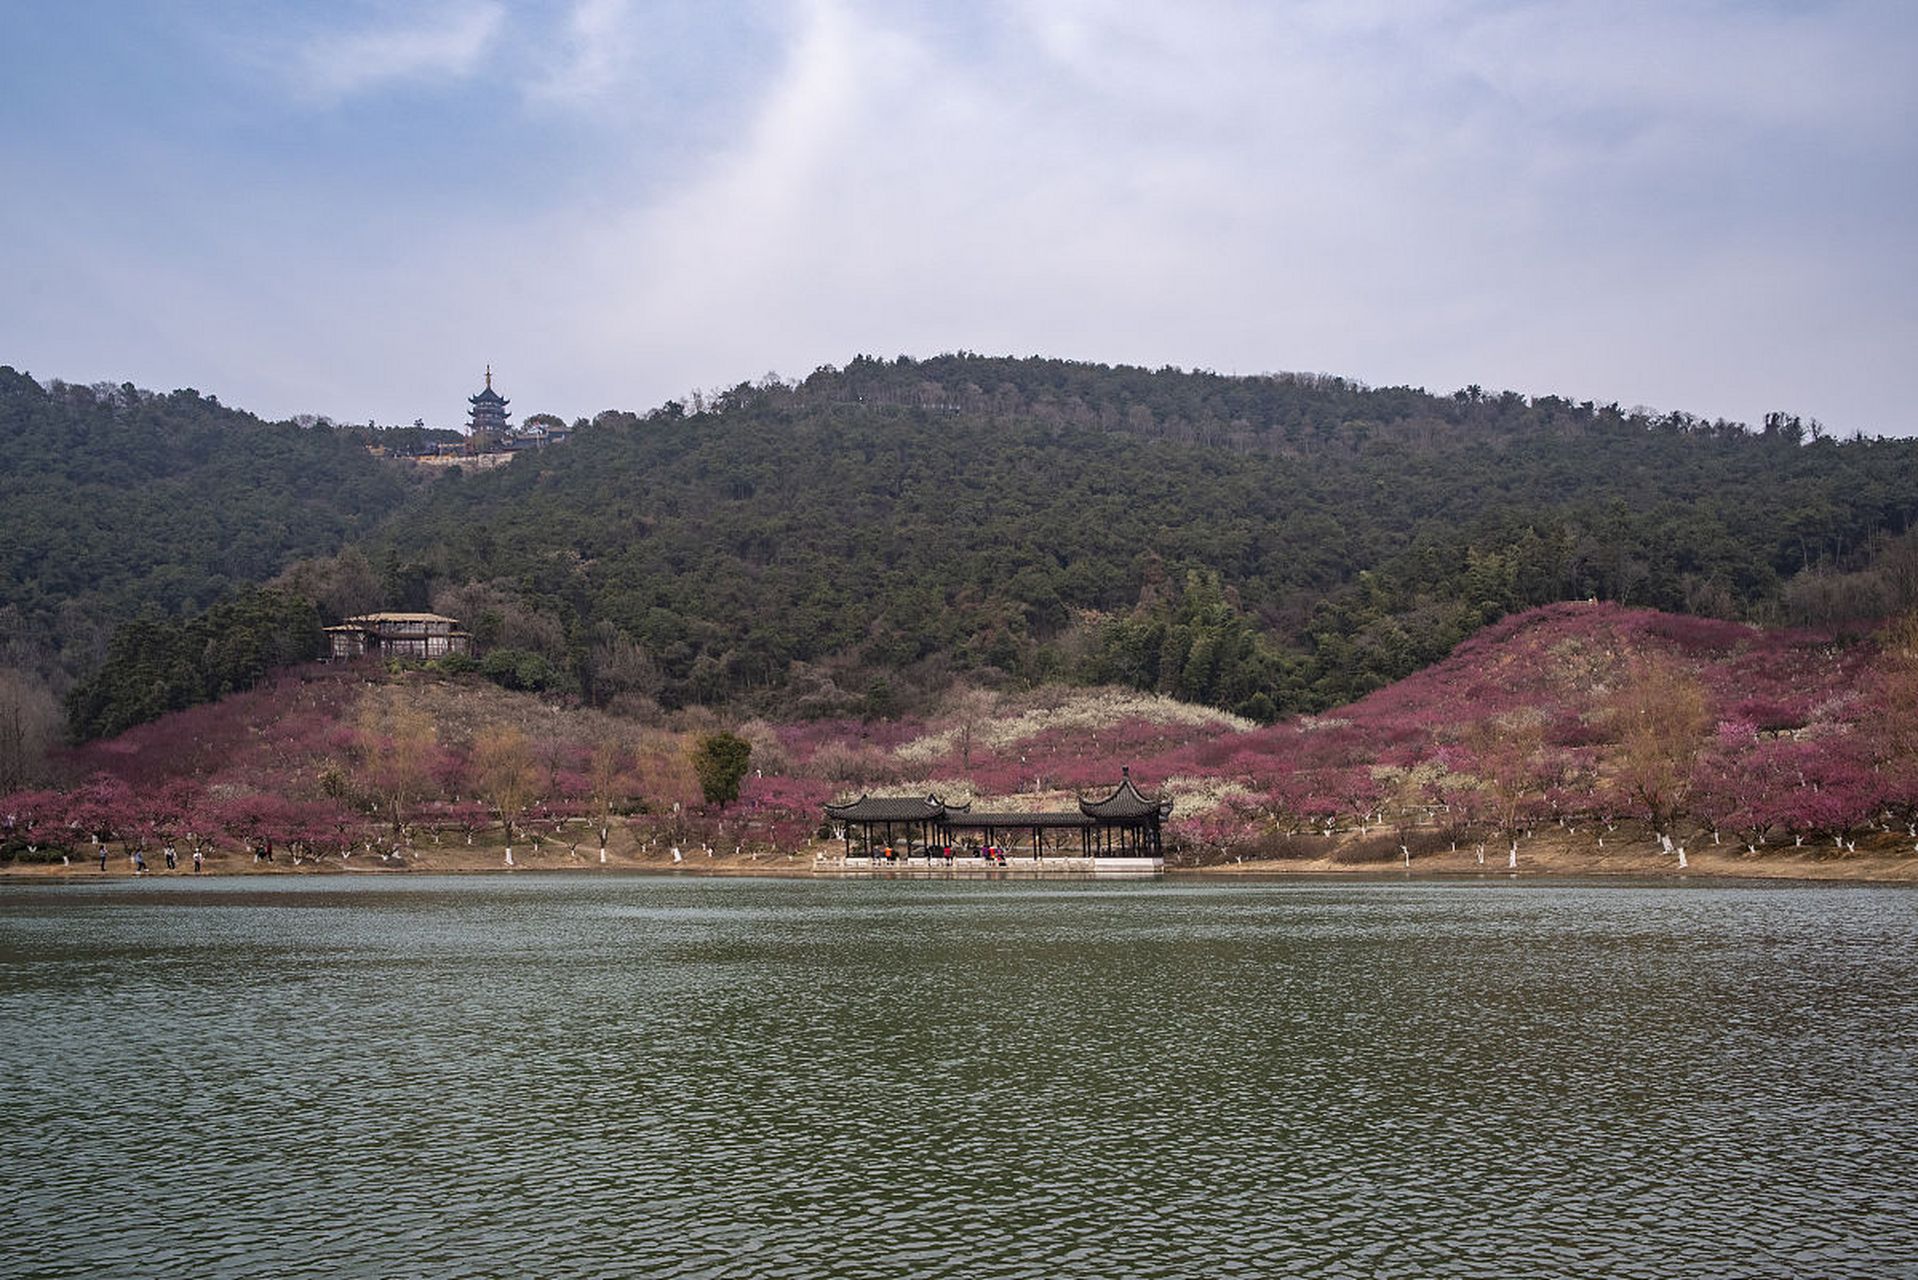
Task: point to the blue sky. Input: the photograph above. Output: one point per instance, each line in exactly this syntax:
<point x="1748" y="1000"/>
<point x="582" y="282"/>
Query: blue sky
<point x="351" y="208"/>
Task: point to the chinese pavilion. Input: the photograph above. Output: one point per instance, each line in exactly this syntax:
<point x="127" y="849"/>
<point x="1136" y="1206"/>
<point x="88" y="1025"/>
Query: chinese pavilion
<point x="1125" y="824"/>
<point x="488" y="422"/>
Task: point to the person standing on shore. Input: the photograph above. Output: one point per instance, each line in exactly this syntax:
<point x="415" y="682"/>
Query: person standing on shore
<point x="103" y="856"/>
<point x="198" y="859"/>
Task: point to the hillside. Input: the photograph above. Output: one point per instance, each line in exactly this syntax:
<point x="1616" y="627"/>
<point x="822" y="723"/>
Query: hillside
<point x="1587" y="722"/>
<point x="865" y="541"/>
<point x="1266" y="545"/>
<point x="1611" y="715"/>
<point x="121" y="502"/>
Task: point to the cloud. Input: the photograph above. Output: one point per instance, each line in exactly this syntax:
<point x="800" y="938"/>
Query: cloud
<point x="445" y="44"/>
<point x="1530" y="195"/>
<point x="593" y="54"/>
<point x="1686" y="204"/>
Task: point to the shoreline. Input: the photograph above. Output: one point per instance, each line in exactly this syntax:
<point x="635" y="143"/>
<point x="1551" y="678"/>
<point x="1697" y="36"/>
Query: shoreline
<point x="1564" y="856"/>
<point x="1541" y="863"/>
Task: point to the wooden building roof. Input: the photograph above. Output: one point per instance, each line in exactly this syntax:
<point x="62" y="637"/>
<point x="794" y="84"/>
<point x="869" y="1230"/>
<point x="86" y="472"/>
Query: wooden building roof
<point x="894" y="809"/>
<point x="1126" y="804"/>
<point x="393" y="616"/>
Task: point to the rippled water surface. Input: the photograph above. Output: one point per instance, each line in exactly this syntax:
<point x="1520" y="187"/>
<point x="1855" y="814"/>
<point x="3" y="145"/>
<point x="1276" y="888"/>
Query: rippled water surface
<point x="612" y="1076"/>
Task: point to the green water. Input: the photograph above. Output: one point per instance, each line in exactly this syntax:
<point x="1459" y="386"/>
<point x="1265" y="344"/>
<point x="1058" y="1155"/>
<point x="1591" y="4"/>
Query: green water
<point x="622" y="1076"/>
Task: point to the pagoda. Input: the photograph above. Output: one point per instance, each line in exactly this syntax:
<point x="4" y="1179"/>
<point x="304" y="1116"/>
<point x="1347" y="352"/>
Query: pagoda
<point x="487" y="427"/>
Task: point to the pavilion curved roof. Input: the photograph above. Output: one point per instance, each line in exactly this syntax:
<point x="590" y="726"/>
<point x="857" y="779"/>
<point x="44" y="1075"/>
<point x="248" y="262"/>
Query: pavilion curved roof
<point x="869" y="808"/>
<point x="1126" y="802"/>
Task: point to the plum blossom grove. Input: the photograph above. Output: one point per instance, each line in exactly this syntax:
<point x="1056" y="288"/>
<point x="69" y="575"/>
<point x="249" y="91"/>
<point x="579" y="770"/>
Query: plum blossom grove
<point x="1621" y="727"/>
<point x="1590" y="718"/>
<point x="314" y="768"/>
<point x="1605" y="724"/>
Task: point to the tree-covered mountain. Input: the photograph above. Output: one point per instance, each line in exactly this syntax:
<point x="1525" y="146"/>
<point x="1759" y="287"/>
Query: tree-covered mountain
<point x="120" y="502"/>
<point x="1265" y="544"/>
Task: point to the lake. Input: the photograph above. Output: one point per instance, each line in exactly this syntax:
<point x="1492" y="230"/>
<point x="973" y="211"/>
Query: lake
<point x="611" y="1076"/>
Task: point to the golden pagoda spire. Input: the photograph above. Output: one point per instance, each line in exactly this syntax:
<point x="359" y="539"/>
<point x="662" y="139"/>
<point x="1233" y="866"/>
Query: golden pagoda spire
<point x="489" y="377"/>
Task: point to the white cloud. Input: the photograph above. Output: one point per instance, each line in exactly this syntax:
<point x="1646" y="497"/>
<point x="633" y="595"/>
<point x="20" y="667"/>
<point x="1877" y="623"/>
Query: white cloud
<point x="1445" y="194"/>
<point x="592" y="56"/>
<point x="447" y="43"/>
<point x="1687" y="203"/>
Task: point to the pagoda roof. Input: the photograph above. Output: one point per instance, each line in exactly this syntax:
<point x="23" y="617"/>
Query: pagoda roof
<point x="488" y="396"/>
<point x="1126" y="801"/>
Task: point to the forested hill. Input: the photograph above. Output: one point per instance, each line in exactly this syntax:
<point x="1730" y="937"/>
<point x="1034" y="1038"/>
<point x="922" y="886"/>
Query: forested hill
<point x="120" y="501"/>
<point x="1265" y="544"/>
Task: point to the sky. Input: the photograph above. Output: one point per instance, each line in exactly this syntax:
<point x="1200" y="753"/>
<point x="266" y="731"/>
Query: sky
<point x="351" y="209"/>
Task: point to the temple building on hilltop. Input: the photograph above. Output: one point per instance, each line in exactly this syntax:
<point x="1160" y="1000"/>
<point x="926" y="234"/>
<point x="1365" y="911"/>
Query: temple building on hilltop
<point x="489" y="433"/>
<point x="487" y="428"/>
<point x="397" y="635"/>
